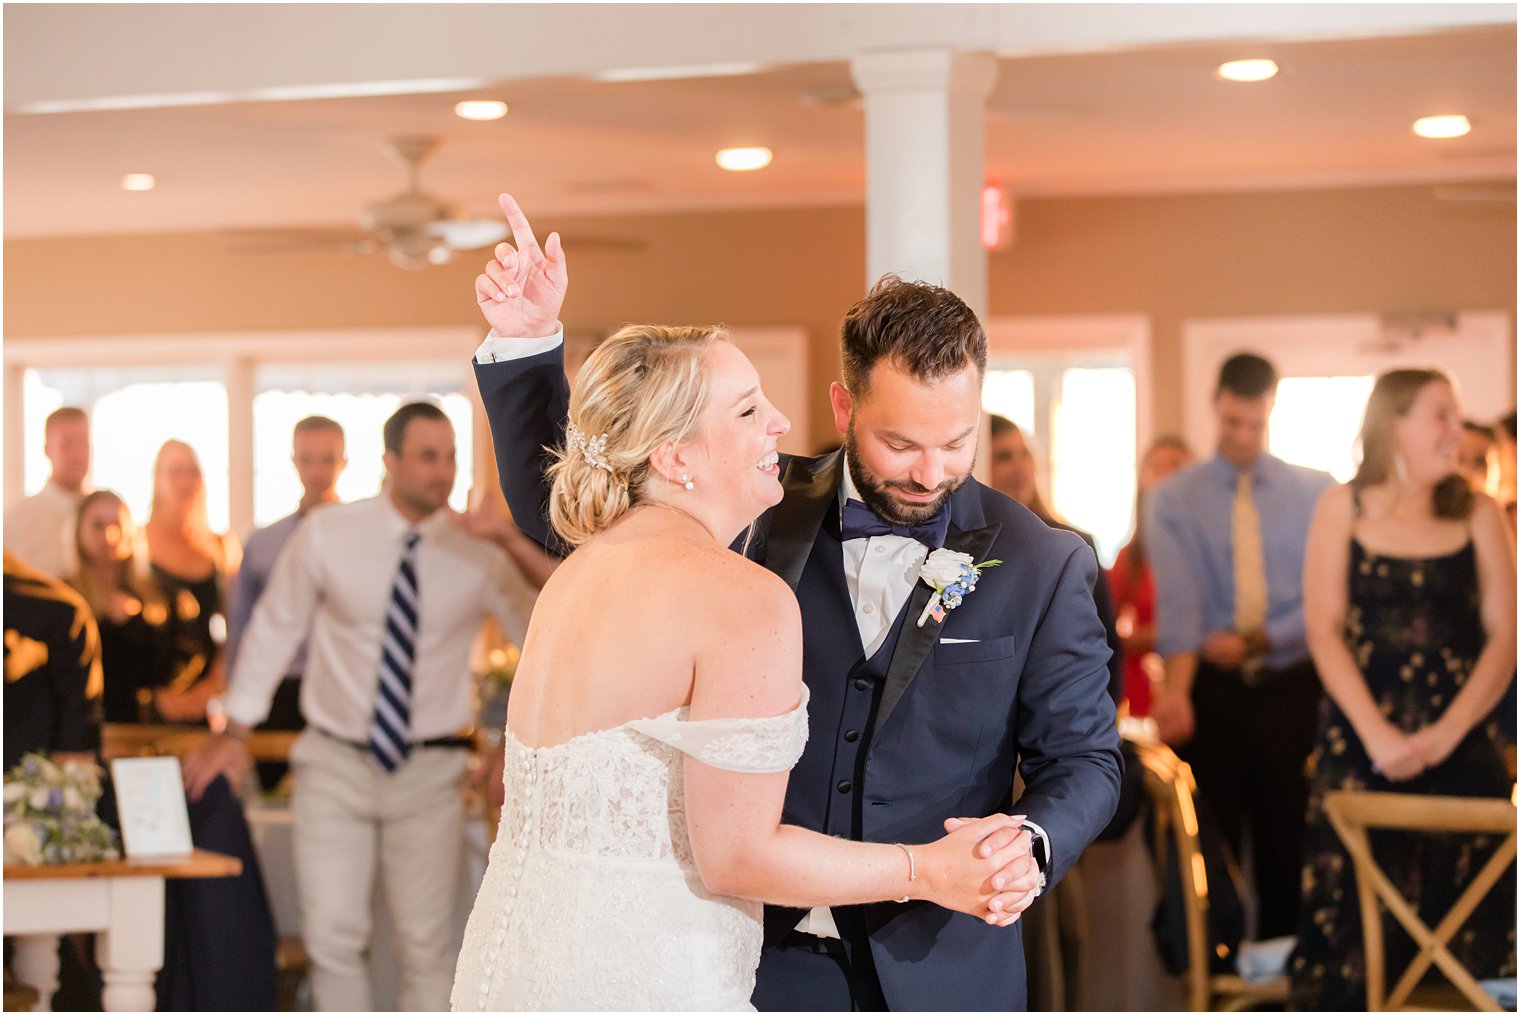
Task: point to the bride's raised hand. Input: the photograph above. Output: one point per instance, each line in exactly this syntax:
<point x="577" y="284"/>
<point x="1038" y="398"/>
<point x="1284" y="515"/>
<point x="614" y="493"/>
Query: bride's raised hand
<point x="959" y="873"/>
<point x="522" y="288"/>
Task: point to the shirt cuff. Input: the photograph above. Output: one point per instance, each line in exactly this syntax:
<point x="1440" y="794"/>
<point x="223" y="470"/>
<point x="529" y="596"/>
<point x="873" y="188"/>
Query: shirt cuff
<point x="496" y="349"/>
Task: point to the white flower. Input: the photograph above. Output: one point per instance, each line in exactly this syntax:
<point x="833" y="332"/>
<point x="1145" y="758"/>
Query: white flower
<point x="39" y="798"/>
<point x="72" y="800"/>
<point x="14" y="791"/>
<point x="944" y="566"/>
<point x="23" y="844"/>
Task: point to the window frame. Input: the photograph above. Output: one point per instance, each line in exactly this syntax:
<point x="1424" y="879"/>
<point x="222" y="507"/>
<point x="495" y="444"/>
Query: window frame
<point x="238" y="354"/>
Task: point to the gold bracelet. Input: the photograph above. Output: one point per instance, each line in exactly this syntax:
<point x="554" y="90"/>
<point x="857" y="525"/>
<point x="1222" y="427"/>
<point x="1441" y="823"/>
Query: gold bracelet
<point x="912" y="868"/>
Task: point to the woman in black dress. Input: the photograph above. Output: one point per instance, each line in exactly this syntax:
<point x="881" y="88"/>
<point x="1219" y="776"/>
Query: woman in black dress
<point x="137" y="624"/>
<point x="193" y="565"/>
<point x="1409" y="600"/>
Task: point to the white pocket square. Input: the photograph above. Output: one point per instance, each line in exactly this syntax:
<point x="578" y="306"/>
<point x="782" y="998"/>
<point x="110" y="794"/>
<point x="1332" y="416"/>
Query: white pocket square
<point x="959" y="641"/>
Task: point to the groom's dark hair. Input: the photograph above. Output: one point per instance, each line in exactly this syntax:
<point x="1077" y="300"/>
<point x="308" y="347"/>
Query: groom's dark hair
<point x="926" y="330"/>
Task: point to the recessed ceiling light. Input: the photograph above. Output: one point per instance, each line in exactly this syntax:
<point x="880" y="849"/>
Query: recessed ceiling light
<point x="1452" y="125"/>
<point x="138" y="181"/>
<point x="741" y="160"/>
<point x="1247" y="70"/>
<point x="480" y="109"/>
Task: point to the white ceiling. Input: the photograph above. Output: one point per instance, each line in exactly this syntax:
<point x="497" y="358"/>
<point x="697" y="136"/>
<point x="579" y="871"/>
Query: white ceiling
<point x="1121" y="119"/>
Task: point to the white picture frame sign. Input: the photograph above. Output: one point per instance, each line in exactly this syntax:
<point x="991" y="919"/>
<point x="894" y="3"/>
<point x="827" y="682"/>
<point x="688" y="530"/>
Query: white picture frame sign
<point x="150" y="799"/>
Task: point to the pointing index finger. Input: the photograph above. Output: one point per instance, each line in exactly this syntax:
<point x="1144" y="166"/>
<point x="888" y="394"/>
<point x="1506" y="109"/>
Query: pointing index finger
<point x="522" y="233"/>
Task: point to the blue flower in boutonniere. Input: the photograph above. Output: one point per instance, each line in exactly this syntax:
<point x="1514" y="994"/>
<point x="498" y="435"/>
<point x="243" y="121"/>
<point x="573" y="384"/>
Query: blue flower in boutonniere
<point x="952" y="575"/>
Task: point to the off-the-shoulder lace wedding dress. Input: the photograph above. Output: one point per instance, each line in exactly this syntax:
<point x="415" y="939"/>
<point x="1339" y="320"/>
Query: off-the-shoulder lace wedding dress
<point x="591" y="900"/>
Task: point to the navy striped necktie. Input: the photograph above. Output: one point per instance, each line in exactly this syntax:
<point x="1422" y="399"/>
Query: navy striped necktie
<point x="390" y="730"/>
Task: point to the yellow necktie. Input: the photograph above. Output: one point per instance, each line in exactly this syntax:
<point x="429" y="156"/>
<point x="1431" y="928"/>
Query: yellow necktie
<point x="1250" y="569"/>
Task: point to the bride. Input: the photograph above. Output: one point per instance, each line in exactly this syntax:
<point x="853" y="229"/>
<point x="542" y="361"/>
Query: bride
<point x="658" y="704"/>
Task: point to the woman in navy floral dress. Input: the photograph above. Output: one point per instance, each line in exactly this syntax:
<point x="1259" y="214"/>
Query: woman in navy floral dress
<point x="1410" y="607"/>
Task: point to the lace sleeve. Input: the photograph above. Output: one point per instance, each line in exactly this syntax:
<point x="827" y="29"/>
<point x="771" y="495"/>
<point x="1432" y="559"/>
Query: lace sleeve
<point x="754" y="746"/>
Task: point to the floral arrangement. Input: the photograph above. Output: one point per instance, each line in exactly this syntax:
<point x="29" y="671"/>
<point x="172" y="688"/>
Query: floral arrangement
<point x="952" y="575"/>
<point x="50" y="813"/>
<point x="501" y="665"/>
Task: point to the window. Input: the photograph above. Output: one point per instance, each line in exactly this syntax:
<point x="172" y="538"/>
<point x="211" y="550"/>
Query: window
<point x="1315" y="422"/>
<point x="360" y="399"/>
<point x="1082" y="409"/>
<point x="133" y="410"/>
<point x="236" y="404"/>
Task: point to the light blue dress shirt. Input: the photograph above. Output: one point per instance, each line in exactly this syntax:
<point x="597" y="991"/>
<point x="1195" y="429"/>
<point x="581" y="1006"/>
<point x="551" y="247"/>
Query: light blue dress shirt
<point x="1191" y="550"/>
<point x="260" y="553"/>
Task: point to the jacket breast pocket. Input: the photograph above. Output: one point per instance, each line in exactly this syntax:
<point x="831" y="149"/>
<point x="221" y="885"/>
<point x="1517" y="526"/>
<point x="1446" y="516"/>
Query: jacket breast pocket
<point x="964" y="652"/>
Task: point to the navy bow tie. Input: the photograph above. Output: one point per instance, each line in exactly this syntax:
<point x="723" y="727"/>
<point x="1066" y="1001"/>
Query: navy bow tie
<point x="860" y="522"/>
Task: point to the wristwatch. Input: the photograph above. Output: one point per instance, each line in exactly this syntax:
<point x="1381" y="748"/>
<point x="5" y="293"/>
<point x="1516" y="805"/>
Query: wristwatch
<point x="1039" y="848"/>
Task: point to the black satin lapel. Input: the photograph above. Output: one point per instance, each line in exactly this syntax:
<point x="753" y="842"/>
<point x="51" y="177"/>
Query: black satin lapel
<point x="810" y="486"/>
<point x="914" y="643"/>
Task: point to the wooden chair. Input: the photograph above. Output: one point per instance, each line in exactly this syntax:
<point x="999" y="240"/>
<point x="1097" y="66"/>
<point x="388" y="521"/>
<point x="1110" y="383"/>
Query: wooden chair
<point x="1170" y="788"/>
<point x="1352" y="814"/>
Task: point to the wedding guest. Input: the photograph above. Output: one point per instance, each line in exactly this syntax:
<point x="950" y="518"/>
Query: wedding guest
<point x="137" y="624"/>
<point x="52" y="668"/>
<point x="1504" y="432"/>
<point x="1226" y="544"/>
<point x="390" y="593"/>
<point x="1476" y="455"/>
<point x="1409" y="594"/>
<point x="1012" y="473"/>
<point x="317" y="452"/>
<point x="40" y="528"/>
<point x="193" y="564"/>
<point x="1130" y="581"/>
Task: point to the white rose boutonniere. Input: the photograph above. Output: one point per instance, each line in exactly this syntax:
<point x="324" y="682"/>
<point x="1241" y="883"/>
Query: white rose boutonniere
<point x="952" y="575"/>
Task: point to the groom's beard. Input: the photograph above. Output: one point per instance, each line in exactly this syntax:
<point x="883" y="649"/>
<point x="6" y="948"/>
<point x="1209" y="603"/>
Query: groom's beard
<point x="875" y="492"/>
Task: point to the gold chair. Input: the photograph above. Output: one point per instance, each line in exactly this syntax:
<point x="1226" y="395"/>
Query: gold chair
<point x="1352" y="814"/>
<point x="1170" y="788"/>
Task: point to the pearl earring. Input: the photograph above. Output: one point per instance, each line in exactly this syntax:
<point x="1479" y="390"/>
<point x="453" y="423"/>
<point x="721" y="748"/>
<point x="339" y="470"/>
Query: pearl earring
<point x="686" y="481"/>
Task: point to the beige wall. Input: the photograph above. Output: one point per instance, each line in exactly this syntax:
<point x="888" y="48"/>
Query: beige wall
<point x="1171" y="258"/>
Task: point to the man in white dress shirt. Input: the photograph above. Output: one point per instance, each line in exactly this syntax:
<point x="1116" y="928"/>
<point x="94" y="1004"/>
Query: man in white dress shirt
<point x="388" y="593"/>
<point x="40" y="529"/>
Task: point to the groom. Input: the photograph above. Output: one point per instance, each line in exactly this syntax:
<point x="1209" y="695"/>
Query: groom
<point x="909" y="723"/>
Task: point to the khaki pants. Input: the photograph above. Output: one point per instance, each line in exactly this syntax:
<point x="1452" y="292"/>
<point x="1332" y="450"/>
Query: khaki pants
<point x="354" y="824"/>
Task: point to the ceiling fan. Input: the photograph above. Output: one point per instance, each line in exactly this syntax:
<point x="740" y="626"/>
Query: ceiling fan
<point x="414" y="228"/>
<point x="418" y="229"/>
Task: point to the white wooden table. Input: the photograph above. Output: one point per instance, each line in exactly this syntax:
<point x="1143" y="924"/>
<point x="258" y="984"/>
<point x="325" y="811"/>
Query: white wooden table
<point x="120" y="900"/>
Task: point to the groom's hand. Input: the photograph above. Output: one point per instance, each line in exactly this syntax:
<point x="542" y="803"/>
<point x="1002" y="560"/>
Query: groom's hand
<point x="522" y="289"/>
<point x="1018" y="882"/>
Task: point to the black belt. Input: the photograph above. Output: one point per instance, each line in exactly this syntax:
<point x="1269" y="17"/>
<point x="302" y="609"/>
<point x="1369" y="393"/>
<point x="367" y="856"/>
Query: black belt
<point x="458" y="741"/>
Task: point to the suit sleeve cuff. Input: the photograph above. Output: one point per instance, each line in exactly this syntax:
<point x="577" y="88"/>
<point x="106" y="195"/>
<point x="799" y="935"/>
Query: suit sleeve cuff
<point x="496" y="349"/>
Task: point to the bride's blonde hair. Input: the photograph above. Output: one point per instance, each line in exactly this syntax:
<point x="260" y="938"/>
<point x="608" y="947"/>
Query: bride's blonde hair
<point x="641" y="388"/>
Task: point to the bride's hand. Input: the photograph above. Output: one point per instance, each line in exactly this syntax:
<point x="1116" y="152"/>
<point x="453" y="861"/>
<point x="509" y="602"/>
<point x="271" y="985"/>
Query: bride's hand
<point x="522" y="289"/>
<point x="1018" y="884"/>
<point x="959" y="874"/>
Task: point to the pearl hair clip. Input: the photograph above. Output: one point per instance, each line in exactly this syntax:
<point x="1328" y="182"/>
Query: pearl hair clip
<point x="594" y="449"/>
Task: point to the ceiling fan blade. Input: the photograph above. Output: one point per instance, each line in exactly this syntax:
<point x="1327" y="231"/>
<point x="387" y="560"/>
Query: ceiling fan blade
<point x="470" y="234"/>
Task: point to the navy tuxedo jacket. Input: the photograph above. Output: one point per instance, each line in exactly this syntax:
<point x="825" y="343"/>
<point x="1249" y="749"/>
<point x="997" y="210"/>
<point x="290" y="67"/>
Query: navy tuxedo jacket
<point x="935" y="723"/>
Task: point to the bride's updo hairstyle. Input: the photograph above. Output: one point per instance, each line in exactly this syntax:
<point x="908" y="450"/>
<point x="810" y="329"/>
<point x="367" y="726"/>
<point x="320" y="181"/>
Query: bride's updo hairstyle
<point x="641" y="388"/>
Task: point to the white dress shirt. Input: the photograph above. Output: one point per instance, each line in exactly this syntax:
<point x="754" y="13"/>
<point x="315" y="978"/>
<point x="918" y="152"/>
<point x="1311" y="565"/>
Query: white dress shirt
<point x="334" y="580"/>
<point x="40" y="530"/>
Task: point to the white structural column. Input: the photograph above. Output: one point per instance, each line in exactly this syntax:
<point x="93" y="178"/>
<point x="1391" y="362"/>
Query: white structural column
<point x="925" y="153"/>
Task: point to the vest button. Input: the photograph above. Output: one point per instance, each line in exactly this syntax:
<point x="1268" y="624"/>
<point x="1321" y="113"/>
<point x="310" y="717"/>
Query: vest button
<point x="850" y="736"/>
<point x="862" y="684"/>
<point x="845" y="786"/>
